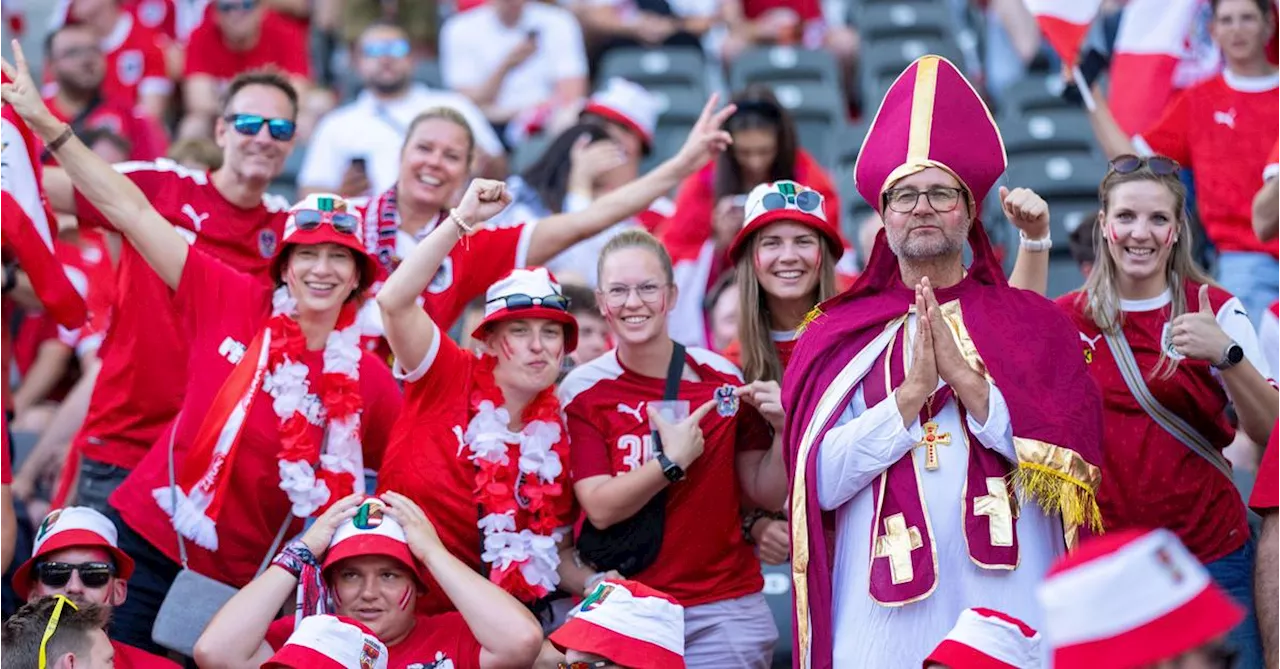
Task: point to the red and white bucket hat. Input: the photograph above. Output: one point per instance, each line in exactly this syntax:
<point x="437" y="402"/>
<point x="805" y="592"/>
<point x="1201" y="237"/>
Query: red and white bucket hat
<point x="528" y="293"/>
<point x="629" y="105"/>
<point x="1131" y="599"/>
<point x="785" y="201"/>
<point x="72" y="527"/>
<point x="988" y="639"/>
<point x="628" y="623"/>
<point x="330" y="642"/>
<point x="372" y="532"/>
<point x="325" y="218"/>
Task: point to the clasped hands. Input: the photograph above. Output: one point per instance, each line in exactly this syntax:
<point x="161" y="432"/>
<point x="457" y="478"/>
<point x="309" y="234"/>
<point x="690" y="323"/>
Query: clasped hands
<point x="935" y="355"/>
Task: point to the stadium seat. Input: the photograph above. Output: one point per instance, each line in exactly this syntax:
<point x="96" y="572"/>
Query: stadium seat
<point x="1034" y="93"/>
<point x="658" y="69"/>
<point x="427" y="71"/>
<point x="680" y="109"/>
<point x="1064" y="277"/>
<point x="784" y="63"/>
<point x="847" y="143"/>
<point x="818" y="111"/>
<point x="1059" y="176"/>
<point x="883" y="60"/>
<point x="883" y="20"/>
<point x="527" y="152"/>
<point x="1047" y="131"/>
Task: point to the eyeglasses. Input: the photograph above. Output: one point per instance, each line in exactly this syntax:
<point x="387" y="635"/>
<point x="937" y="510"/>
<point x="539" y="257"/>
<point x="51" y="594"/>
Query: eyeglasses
<point x="1129" y="163"/>
<point x="522" y="301"/>
<point x="649" y="293"/>
<point x="385" y="48"/>
<point x="805" y="200"/>
<point x="52" y="626"/>
<point x="236" y="5"/>
<point x="310" y="219"/>
<point x="598" y="664"/>
<point x="58" y="574"/>
<point x="281" y="129"/>
<point x="941" y="198"/>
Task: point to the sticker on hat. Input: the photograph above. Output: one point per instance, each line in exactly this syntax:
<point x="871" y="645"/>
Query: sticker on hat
<point x="369" y="515"/>
<point x="47" y="524"/>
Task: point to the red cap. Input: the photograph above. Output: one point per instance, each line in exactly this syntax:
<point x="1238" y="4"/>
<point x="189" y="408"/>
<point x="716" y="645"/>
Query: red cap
<point x="931" y="117"/>
<point x="327" y="231"/>
<point x="505" y="300"/>
<point x="785" y="201"/>
<point x="628" y="104"/>
<point x="72" y="527"/>
<point x="330" y="642"/>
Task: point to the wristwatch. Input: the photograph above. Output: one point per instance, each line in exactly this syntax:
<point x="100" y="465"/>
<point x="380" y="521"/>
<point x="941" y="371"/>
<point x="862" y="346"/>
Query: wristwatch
<point x="673" y="472"/>
<point x="1230" y="357"/>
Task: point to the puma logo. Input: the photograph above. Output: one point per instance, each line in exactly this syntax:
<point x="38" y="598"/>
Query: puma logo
<point x="1091" y="341"/>
<point x="1227" y="118"/>
<point x="622" y="408"/>
<point x="197" y="220"/>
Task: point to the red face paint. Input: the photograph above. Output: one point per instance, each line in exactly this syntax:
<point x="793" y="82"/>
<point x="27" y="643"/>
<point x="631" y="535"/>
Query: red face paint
<point x="1112" y="234"/>
<point x="1168" y="240"/>
<point x="508" y="351"/>
<point x="407" y="598"/>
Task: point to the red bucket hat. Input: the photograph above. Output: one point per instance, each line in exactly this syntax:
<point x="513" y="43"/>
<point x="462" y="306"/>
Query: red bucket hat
<point x="988" y="639"/>
<point x="628" y="104"/>
<point x="330" y="642"/>
<point x="323" y="218"/>
<point x="72" y="527"/>
<point x="629" y="623"/>
<point x="528" y="293"/>
<point x="371" y="532"/>
<point x="1131" y="599"/>
<point x="785" y="201"/>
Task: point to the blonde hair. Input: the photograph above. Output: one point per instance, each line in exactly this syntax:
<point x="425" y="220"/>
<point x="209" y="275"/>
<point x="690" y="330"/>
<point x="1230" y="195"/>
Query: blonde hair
<point x="1101" y="295"/>
<point x="637" y="238"/>
<point x="760" y="361"/>
<point x="445" y="114"/>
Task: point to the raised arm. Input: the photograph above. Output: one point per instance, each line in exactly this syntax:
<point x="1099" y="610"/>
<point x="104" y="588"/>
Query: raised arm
<point x="118" y="198"/>
<point x="1111" y="137"/>
<point x="1266" y="210"/>
<point x="706" y="140"/>
<point x="1029" y="213"/>
<point x="409" y="329"/>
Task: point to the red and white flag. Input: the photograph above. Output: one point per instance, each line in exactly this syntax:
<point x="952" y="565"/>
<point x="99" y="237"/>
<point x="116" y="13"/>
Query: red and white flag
<point x="1065" y="23"/>
<point x="27" y="225"/>
<point x="1152" y="39"/>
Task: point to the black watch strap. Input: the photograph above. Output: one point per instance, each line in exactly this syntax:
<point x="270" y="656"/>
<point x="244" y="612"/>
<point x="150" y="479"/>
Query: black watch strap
<point x="1232" y="356"/>
<point x="670" y="469"/>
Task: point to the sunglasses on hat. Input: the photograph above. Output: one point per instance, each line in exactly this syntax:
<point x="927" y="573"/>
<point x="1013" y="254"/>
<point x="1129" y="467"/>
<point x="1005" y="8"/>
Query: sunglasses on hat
<point x="522" y="301"/>
<point x="805" y="200"/>
<point x="249" y="125"/>
<point x="58" y="574"/>
<point x="1129" y="163"/>
<point x="310" y="219"/>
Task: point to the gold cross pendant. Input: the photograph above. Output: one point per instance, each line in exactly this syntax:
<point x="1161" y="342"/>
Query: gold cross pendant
<point x="930" y="442"/>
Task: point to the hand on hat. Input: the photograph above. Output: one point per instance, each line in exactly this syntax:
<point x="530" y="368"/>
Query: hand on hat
<point x="22" y="93"/>
<point x="484" y="199"/>
<point x="419" y="533"/>
<point x="706" y="139"/>
<point x="318" y="536"/>
<point x="1027" y="211"/>
<point x="766" y="397"/>
<point x="1197" y="334"/>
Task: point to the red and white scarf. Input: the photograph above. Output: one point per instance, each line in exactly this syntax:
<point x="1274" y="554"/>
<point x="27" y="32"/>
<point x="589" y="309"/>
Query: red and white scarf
<point x="311" y="476"/>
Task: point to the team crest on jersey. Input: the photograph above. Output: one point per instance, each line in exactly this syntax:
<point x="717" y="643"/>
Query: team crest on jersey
<point x="129" y="67"/>
<point x="47" y="524"/>
<point x="152" y="13"/>
<point x="443" y="280"/>
<point x="267" y="243"/>
<point x="441" y="662"/>
<point x="369" y="655"/>
<point x="726" y="400"/>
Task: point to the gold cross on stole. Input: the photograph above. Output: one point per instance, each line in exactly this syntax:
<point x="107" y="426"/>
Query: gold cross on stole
<point x="999" y="512"/>
<point x="896" y="543"/>
<point x="931" y="440"/>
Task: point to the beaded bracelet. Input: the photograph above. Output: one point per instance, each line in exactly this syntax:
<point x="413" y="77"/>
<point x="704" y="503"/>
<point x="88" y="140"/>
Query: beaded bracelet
<point x="293" y="557"/>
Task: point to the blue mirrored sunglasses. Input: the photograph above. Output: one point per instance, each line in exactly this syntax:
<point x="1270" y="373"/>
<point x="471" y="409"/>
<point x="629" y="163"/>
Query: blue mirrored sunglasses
<point x="385" y="48"/>
<point x="281" y="129"/>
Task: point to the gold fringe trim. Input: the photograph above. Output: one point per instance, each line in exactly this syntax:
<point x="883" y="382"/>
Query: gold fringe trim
<point x="1056" y="492"/>
<point x="814" y="314"/>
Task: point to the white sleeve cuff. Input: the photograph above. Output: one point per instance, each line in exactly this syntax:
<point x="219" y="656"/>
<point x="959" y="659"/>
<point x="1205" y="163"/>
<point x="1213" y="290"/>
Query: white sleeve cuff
<point x="997" y="432"/>
<point x="858" y="449"/>
<point x="522" y="246"/>
<point x="427" y="360"/>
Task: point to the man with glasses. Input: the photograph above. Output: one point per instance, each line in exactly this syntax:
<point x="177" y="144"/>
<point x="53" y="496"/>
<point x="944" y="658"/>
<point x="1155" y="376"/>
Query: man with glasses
<point x="76" y="556"/>
<point x="355" y="149"/>
<point x="942" y="420"/>
<point x="243" y="35"/>
<point x="135" y="62"/>
<point x="56" y="633"/>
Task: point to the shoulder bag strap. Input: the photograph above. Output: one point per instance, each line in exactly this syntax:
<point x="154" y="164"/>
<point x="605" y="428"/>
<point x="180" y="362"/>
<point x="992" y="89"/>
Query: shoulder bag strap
<point x="1171" y="422"/>
<point x="675" y="369"/>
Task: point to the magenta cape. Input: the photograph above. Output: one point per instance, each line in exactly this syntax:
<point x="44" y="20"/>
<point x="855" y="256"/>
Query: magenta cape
<point x="1031" y="351"/>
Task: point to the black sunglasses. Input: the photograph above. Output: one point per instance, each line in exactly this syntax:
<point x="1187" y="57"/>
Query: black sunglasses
<point x="805" y="200"/>
<point x="281" y="129"/>
<point x="522" y="301"/>
<point x="1129" y="163"/>
<point x="310" y="219"/>
<point x="58" y="574"/>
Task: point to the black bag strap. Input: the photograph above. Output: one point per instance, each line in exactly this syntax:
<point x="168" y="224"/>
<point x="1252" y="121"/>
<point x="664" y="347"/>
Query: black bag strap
<point x="675" y="369"/>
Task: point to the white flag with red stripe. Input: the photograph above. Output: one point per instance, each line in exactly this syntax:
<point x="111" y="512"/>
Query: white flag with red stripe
<point x="1152" y="39"/>
<point x="28" y="225"/>
<point x="1064" y="23"/>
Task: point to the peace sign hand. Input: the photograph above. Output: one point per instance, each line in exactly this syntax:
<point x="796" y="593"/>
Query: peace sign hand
<point x="22" y="93"/>
<point x="706" y="139"/>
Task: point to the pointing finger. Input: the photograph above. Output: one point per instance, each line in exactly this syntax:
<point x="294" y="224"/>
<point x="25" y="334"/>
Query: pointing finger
<point x="702" y="411"/>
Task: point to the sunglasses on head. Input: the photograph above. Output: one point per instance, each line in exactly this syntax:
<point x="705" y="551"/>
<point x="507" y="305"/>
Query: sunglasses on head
<point x="236" y="5"/>
<point x="382" y="48"/>
<point x="1160" y="165"/>
<point x="52" y="626"/>
<point x="310" y="219"/>
<point x="805" y="200"/>
<point x="522" y="301"/>
<point x="58" y="574"/>
<point x="281" y="129"/>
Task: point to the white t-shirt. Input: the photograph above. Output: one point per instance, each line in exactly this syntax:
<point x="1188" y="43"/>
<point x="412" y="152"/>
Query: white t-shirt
<point x="473" y="45"/>
<point x="374" y="130"/>
<point x="683" y="8"/>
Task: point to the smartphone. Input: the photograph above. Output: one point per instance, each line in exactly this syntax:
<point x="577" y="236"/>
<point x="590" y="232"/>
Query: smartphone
<point x="360" y="163"/>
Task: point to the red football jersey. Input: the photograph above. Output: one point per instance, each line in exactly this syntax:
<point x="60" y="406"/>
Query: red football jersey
<point x="281" y="44"/>
<point x="133" y="402"/>
<point x="128" y="657"/>
<point x="135" y="62"/>
<point x="147" y="139"/>
<point x="1266" y="488"/>
<point x="703" y="557"/>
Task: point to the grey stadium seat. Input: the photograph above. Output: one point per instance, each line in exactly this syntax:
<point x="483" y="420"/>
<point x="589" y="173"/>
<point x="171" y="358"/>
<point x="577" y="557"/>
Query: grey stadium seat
<point x="1064" y="175"/>
<point x="1064" y="277"/>
<point x="1034" y="93"/>
<point x="818" y="111"/>
<point x="680" y="110"/>
<point x="904" y="19"/>
<point x="657" y="69"/>
<point x="883" y="60"/>
<point x="848" y="143"/>
<point x="784" y="63"/>
<point x="1047" y="131"/>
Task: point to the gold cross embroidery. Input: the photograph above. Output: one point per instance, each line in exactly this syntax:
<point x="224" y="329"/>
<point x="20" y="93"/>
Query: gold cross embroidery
<point x="931" y="440"/>
<point x="999" y="512"/>
<point x="896" y="543"/>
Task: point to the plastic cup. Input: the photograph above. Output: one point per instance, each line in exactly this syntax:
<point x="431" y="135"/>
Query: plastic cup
<point x="672" y="411"/>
